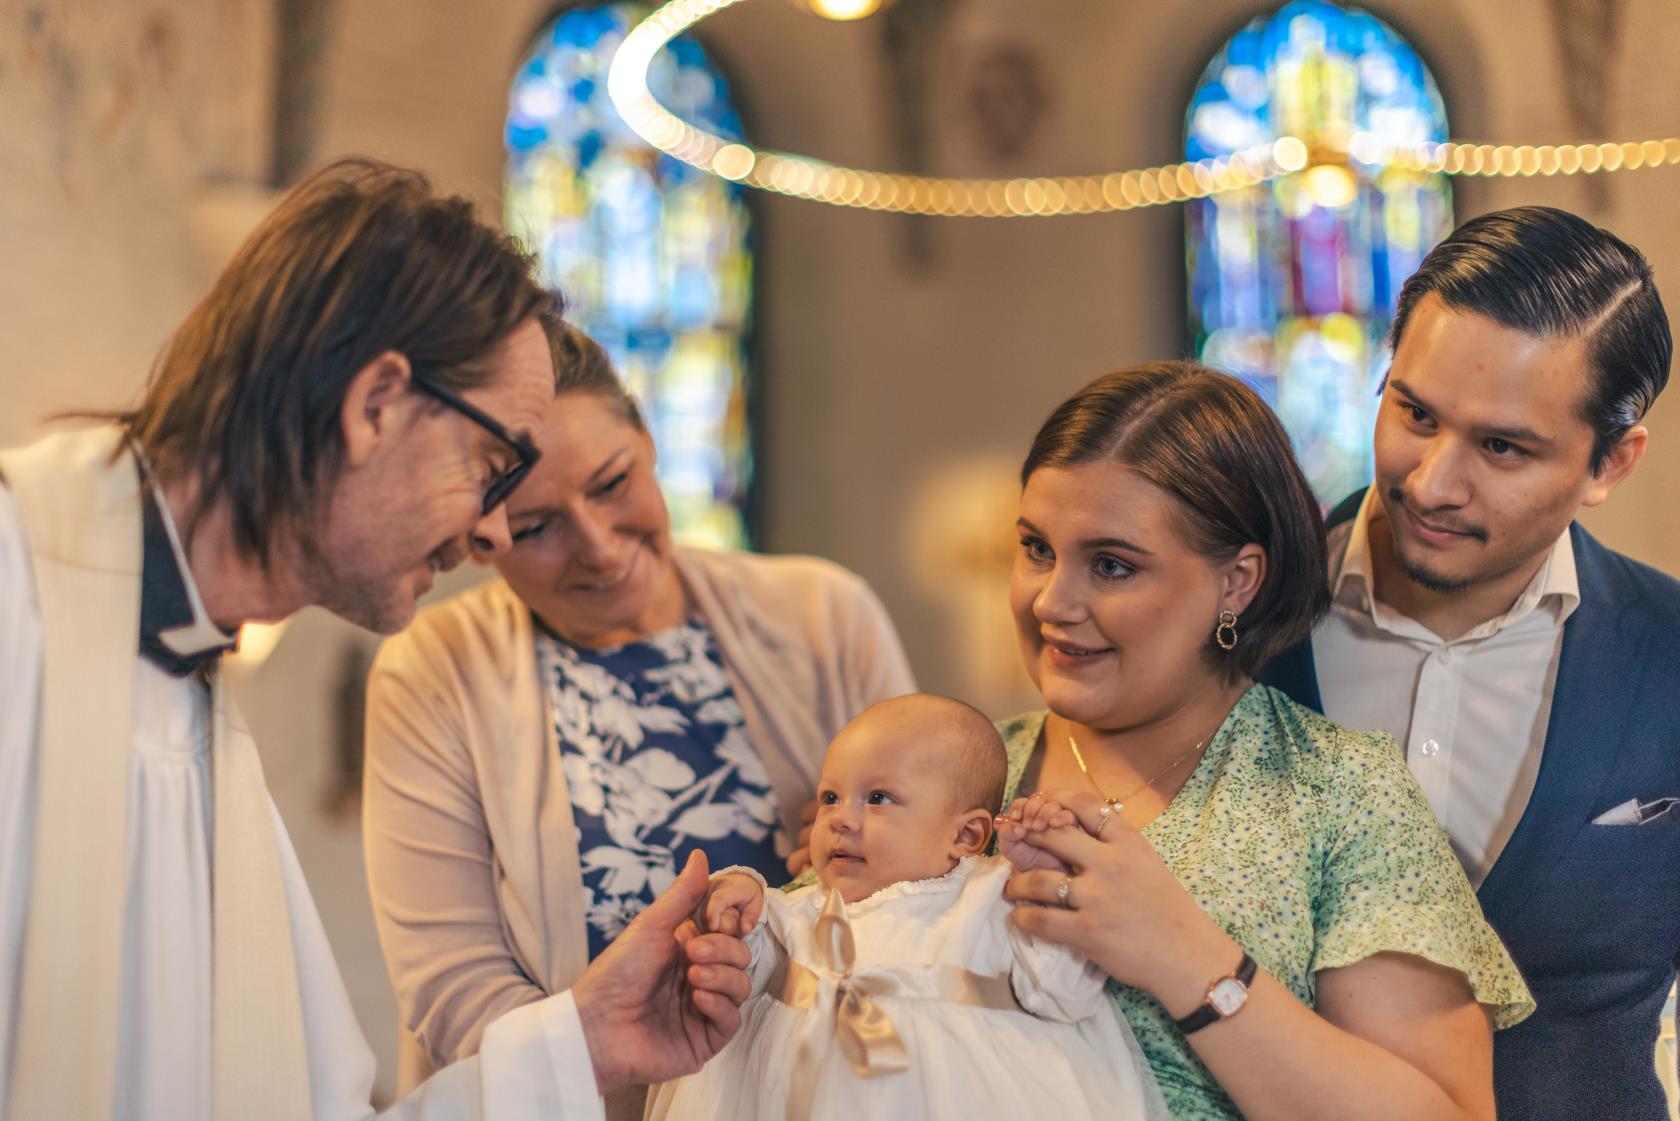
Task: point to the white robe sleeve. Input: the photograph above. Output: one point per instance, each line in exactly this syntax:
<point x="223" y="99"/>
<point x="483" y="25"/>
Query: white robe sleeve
<point x="1053" y="981"/>
<point x="533" y="1064"/>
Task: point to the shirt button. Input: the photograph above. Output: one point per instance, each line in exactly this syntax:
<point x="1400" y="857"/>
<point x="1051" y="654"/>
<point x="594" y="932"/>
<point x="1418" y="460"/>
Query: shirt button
<point x="1445" y="656"/>
<point x="1430" y="749"/>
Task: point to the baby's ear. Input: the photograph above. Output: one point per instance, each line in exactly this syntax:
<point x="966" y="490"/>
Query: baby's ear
<point x="974" y="834"/>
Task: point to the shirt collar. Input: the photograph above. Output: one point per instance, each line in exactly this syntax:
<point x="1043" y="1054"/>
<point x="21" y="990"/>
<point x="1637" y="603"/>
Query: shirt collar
<point x="1350" y="582"/>
<point x="1556" y="581"/>
<point x="176" y="633"/>
<point x="1555" y="585"/>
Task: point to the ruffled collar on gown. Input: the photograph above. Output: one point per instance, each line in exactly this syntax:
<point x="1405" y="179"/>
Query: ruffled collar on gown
<point x="945" y="883"/>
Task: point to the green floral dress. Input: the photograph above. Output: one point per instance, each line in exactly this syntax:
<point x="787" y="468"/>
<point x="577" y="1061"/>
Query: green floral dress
<point x="1314" y="848"/>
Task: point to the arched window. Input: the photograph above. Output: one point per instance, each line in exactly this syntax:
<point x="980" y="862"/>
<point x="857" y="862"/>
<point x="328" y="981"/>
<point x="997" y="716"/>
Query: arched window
<point x="653" y="257"/>
<point x="1293" y="282"/>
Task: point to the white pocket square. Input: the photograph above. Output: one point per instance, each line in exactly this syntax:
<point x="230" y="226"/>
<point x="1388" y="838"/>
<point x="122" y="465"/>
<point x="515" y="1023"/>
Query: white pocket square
<point x="1635" y="812"/>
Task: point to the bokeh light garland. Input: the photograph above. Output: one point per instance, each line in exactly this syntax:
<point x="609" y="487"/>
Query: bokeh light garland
<point x="820" y="181"/>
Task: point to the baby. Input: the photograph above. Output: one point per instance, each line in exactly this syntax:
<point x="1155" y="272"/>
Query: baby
<point x="896" y="986"/>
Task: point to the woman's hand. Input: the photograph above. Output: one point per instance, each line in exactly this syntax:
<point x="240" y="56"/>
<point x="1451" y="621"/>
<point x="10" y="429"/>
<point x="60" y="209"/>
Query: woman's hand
<point x="1033" y="815"/>
<point x="800" y="858"/>
<point x="733" y="904"/>
<point x="1393" y="1037"/>
<point x="1124" y="909"/>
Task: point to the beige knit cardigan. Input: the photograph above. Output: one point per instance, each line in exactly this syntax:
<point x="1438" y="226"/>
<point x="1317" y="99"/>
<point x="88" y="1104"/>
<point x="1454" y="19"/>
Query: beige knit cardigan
<point x="472" y="855"/>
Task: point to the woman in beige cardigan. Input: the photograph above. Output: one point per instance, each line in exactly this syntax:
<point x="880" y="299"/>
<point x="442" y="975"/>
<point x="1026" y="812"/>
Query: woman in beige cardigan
<point x="543" y="750"/>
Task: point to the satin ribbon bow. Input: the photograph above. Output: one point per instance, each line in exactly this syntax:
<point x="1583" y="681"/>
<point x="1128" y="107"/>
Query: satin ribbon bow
<point x="867" y="1037"/>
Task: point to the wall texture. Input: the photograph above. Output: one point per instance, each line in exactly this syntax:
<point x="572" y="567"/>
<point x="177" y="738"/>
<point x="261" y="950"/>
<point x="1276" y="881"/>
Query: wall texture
<point x="895" y="401"/>
<point x="121" y="125"/>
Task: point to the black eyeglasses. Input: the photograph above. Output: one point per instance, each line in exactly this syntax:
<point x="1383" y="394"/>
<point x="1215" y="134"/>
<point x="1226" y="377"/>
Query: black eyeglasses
<point x="505" y="483"/>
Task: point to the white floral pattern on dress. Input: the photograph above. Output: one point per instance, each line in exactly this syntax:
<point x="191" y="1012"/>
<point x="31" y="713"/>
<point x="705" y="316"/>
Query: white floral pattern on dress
<point x="657" y="761"/>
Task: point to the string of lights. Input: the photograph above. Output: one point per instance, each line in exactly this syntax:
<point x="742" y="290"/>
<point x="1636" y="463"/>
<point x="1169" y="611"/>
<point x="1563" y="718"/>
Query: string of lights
<point x="819" y="181"/>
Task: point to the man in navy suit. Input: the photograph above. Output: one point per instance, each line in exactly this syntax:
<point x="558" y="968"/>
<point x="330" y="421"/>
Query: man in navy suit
<point x="1531" y="675"/>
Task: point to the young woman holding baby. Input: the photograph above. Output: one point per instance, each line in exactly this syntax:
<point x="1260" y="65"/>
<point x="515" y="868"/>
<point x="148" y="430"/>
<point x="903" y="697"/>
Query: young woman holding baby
<point x="1289" y="934"/>
<point x="1286" y="930"/>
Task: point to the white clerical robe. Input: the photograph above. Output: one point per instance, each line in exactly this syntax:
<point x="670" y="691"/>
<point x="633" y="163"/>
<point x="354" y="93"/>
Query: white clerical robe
<point x="534" y="1062"/>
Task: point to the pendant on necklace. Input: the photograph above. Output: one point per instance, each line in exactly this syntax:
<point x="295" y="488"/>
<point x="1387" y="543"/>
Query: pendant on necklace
<point x="1118" y="803"/>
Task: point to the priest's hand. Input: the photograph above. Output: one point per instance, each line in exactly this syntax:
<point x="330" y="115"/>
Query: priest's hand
<point x="662" y="998"/>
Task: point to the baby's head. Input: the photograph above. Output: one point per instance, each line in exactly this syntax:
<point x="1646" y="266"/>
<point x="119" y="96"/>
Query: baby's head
<point x="908" y="788"/>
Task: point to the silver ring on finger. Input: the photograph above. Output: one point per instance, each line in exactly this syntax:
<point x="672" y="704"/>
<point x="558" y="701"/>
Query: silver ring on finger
<point x="1063" y="891"/>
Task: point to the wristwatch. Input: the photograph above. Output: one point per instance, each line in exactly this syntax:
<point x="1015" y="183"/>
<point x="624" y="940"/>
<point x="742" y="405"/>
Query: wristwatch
<point x="1225" y="998"/>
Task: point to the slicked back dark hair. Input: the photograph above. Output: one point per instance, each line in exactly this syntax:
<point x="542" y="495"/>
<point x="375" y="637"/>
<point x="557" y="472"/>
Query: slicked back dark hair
<point x="1552" y="274"/>
<point x="358" y="259"/>
<point x="1208" y="440"/>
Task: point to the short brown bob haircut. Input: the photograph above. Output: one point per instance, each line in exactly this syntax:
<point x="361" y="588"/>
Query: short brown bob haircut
<point x="1208" y="440"/>
<point x="358" y="259"/>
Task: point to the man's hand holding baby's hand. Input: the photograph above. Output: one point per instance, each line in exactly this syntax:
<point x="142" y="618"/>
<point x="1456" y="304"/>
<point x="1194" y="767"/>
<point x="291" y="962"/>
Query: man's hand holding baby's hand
<point x="1031" y="815"/>
<point x="734" y="903"/>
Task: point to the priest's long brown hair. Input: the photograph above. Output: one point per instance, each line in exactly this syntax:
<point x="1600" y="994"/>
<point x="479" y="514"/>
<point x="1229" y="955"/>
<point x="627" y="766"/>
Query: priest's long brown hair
<point x="356" y="260"/>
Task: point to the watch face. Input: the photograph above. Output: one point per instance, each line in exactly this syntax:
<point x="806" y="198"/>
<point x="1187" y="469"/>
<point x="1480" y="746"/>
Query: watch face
<point x="1227" y="996"/>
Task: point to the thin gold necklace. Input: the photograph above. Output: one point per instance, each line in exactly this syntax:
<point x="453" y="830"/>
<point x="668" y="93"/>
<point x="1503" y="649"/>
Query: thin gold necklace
<point x="1118" y="802"/>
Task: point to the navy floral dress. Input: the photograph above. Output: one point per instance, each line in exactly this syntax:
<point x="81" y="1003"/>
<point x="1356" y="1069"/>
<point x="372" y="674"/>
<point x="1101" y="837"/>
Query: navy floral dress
<point x="657" y="762"/>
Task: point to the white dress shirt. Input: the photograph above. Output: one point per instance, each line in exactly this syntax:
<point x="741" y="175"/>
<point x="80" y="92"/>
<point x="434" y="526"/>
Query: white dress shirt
<point x="534" y="1062"/>
<point x="1472" y="712"/>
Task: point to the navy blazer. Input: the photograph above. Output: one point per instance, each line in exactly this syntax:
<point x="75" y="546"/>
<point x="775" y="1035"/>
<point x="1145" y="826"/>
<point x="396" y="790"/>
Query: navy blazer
<point x="1591" y="913"/>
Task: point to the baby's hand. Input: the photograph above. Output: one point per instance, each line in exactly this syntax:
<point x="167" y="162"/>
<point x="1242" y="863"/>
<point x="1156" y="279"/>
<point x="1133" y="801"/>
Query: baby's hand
<point x="1031" y="815"/>
<point x="733" y="904"/>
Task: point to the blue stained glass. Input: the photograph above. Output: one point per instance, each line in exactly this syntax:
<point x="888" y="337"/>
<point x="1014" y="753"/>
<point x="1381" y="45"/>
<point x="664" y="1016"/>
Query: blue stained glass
<point x="652" y="256"/>
<point x="1292" y="283"/>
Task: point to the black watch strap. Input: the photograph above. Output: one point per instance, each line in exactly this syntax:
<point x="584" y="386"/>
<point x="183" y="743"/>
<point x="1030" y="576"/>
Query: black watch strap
<point x="1206" y="1013"/>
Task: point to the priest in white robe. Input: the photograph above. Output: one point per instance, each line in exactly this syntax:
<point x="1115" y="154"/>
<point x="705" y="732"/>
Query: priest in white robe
<point x="337" y="421"/>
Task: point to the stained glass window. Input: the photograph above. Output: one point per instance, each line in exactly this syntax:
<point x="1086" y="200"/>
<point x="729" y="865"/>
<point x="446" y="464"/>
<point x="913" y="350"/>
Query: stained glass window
<point x="653" y="257"/>
<point x="1293" y="282"/>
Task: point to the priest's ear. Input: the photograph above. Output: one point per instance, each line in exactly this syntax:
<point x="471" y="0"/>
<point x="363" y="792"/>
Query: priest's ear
<point x="377" y="406"/>
<point x="974" y="833"/>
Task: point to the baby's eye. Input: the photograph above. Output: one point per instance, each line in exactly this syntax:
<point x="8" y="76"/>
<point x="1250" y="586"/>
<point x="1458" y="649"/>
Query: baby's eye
<point x="828" y="798"/>
<point x="880" y="798"/>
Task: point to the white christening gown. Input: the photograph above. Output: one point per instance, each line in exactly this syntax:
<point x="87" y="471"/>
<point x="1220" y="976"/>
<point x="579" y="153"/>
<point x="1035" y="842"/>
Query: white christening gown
<point x="947" y="1011"/>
